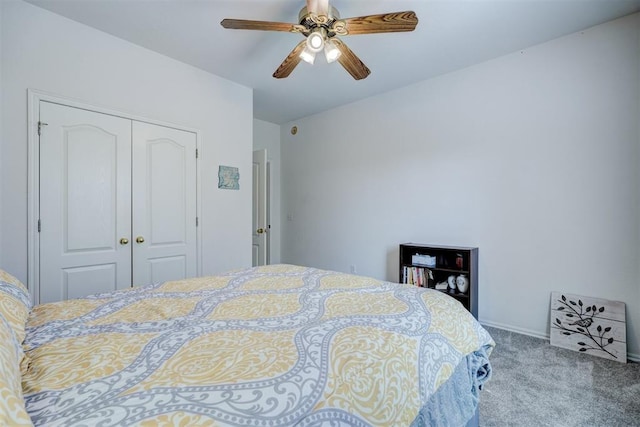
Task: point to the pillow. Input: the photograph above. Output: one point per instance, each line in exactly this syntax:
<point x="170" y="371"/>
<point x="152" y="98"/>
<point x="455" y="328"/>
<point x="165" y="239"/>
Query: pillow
<point x="15" y="304"/>
<point x="12" y="409"/>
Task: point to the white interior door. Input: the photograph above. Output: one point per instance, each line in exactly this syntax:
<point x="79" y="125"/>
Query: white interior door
<point x="85" y="202"/>
<point x="260" y="226"/>
<point x="164" y="204"/>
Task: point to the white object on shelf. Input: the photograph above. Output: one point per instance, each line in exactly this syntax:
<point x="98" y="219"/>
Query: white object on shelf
<point x="442" y="286"/>
<point x="463" y="283"/>
<point x="426" y="260"/>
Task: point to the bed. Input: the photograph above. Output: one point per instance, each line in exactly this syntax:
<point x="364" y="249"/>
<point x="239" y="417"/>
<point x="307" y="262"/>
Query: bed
<point x="275" y="345"/>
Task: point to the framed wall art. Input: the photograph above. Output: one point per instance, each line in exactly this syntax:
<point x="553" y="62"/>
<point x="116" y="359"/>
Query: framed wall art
<point x="228" y="178"/>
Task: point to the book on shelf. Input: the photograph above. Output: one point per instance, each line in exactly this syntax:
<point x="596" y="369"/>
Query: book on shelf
<point x="418" y="276"/>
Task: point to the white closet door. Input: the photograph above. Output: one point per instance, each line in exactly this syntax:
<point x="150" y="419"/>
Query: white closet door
<point x="85" y="202"/>
<point x="164" y="204"/>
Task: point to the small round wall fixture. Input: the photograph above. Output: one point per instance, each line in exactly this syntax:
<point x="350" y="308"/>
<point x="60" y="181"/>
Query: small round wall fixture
<point x="294" y="130"/>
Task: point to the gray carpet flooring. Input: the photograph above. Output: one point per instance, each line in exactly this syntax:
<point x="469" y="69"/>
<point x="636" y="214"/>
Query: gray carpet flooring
<point x="536" y="384"/>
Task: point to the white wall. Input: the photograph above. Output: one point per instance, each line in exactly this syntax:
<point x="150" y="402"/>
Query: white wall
<point x="532" y="157"/>
<point x="1" y="117"/>
<point x="41" y="50"/>
<point x="267" y="136"/>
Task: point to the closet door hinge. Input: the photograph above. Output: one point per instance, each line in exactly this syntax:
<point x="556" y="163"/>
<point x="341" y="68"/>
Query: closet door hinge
<point x="196" y="153"/>
<point x="39" y="226"/>
<point x="196" y="221"/>
<point x="40" y="124"/>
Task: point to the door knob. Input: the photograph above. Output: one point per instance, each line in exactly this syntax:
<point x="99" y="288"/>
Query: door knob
<point x="260" y="230"/>
<point x="124" y="241"/>
<point x="139" y="239"/>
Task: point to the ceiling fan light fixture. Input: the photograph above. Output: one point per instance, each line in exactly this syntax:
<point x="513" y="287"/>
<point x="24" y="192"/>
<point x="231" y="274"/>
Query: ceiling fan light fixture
<point x="320" y="22"/>
<point x="331" y="51"/>
<point x="315" y="41"/>
<point x="308" y="56"/>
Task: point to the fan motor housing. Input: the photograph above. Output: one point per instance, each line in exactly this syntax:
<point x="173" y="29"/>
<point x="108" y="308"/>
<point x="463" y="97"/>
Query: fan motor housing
<point x="305" y="19"/>
<point x="304" y="13"/>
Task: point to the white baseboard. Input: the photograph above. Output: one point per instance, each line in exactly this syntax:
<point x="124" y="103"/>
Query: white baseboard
<point x="630" y="356"/>
<point x="510" y="328"/>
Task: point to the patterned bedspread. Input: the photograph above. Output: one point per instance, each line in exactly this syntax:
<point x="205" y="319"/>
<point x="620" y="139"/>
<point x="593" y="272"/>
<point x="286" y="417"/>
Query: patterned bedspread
<point x="266" y="346"/>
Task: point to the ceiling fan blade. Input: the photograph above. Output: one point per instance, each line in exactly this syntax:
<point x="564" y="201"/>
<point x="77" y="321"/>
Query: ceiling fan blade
<point x="383" y="23"/>
<point x="319" y="7"/>
<point x="350" y="61"/>
<point x="245" y="24"/>
<point x="290" y="62"/>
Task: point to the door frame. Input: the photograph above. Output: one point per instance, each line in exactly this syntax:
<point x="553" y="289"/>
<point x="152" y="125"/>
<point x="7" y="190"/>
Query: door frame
<point x="262" y="206"/>
<point x="34" y="97"/>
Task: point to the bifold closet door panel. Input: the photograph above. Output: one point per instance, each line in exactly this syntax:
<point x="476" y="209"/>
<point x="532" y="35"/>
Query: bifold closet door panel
<point x="85" y="202"/>
<point x="164" y="204"/>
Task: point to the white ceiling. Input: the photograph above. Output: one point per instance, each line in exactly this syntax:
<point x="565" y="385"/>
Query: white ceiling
<point x="450" y="35"/>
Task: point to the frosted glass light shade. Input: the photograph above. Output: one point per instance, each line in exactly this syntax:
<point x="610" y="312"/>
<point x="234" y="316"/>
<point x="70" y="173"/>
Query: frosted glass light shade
<point x="308" y="56"/>
<point x="315" y="41"/>
<point x="331" y="52"/>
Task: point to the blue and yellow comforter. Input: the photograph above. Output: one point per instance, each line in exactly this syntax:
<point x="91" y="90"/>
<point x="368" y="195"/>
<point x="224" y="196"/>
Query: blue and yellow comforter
<point x="266" y="346"/>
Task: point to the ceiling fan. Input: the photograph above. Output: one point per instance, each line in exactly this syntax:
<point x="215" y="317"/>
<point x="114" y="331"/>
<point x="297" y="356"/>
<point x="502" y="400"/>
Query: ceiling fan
<point x="320" y="24"/>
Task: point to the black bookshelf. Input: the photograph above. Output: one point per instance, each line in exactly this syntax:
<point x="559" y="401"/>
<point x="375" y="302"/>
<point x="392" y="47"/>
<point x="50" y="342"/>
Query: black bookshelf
<point x="432" y="266"/>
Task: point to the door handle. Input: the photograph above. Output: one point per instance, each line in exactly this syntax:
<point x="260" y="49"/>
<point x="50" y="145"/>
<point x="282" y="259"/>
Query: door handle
<point x="140" y="239"/>
<point x="260" y="230"/>
<point x="124" y="241"/>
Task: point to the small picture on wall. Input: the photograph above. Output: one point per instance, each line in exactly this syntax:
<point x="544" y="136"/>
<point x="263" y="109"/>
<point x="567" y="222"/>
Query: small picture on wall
<point x="228" y="178"/>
